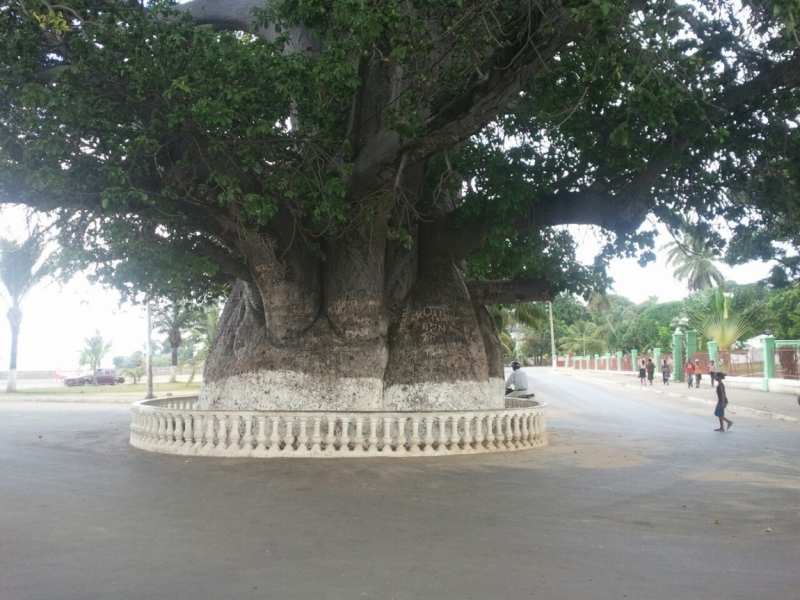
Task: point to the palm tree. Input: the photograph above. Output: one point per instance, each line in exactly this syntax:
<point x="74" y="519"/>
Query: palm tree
<point x="93" y="353"/>
<point x="136" y="373"/>
<point x="21" y="268"/>
<point x="173" y="320"/>
<point x="580" y="339"/>
<point x="694" y="262"/>
<point x="528" y="314"/>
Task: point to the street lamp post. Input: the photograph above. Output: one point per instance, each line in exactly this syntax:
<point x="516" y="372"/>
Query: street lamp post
<point x="149" y="355"/>
<point x="554" y="358"/>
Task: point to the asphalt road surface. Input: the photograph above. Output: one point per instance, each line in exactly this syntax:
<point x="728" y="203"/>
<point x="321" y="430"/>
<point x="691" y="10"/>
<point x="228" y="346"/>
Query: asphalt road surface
<point x="636" y="497"/>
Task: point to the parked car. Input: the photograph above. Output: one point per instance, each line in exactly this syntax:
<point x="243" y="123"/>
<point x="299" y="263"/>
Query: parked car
<point x="104" y="377"/>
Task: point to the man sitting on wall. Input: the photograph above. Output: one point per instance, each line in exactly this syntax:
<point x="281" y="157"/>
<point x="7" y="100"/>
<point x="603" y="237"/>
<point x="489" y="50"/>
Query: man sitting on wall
<point x="519" y="380"/>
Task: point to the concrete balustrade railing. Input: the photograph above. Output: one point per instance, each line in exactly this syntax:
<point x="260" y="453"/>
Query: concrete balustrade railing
<point x="175" y="426"/>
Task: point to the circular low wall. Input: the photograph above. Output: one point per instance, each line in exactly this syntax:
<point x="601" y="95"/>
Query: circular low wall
<point x="175" y="426"/>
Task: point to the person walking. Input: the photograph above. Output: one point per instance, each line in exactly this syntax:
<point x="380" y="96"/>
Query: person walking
<point x="698" y="373"/>
<point x="688" y="371"/>
<point x="642" y="373"/>
<point x="665" y="371"/>
<point x="712" y="371"/>
<point x="722" y="403"/>
<point x="651" y="369"/>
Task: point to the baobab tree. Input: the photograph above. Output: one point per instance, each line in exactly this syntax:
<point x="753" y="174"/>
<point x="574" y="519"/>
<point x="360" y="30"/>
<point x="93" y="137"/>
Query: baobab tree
<point x="365" y="178"/>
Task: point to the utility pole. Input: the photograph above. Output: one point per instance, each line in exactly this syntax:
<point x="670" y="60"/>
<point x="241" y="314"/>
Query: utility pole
<point x="553" y="357"/>
<point x="149" y="354"/>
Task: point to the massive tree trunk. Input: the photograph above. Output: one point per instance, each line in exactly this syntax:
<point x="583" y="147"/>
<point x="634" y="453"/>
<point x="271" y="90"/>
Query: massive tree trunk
<point x="373" y="326"/>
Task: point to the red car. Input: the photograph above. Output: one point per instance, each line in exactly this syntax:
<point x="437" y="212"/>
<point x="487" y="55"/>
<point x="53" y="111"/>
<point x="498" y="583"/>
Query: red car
<point x="104" y="377"/>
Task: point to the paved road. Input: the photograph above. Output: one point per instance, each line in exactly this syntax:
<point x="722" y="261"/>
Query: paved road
<point x="636" y="498"/>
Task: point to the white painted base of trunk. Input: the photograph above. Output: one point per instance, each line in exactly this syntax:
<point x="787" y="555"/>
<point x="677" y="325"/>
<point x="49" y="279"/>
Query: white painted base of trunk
<point x="289" y="390"/>
<point x="456" y="395"/>
<point x="11" y="386"/>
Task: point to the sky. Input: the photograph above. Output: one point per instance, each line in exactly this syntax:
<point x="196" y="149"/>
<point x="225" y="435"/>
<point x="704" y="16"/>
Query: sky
<point x="57" y="318"/>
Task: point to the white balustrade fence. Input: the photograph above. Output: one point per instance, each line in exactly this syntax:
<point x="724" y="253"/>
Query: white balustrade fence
<point x="174" y="426"/>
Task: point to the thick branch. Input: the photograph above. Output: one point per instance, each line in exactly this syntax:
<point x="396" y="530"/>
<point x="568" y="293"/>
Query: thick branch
<point x="237" y="15"/>
<point x="227" y="262"/>
<point x="482" y="98"/>
<point x="781" y="75"/>
<point x="509" y="291"/>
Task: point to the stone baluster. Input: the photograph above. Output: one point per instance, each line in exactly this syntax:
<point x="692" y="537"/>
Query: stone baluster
<point x="302" y="437"/>
<point x="198" y="432"/>
<point x="261" y="435"/>
<point x="490" y="432"/>
<point x="162" y="429"/>
<point x="288" y="438"/>
<point x="316" y="435"/>
<point x="507" y="419"/>
<point x="358" y="442"/>
<point x="140" y="424"/>
<point x="468" y="434"/>
<point x="247" y="439"/>
<point x="415" y="439"/>
<point x="344" y="439"/>
<point x="387" y="435"/>
<point x="515" y="430"/>
<point x="169" y="434"/>
<point x="330" y="436"/>
<point x="535" y="429"/>
<point x="274" y="437"/>
<point x="222" y="433"/>
<point x="401" y="434"/>
<point x="525" y="433"/>
<point x="233" y="446"/>
<point x="178" y="432"/>
<point x="479" y="433"/>
<point x="372" y="440"/>
<point x="208" y="446"/>
<point x="532" y="428"/>
<point x="455" y="436"/>
<point x="500" y="433"/>
<point x="188" y="432"/>
<point x="428" y="435"/>
<point x="147" y="426"/>
<point x="442" y="445"/>
<point x="542" y="430"/>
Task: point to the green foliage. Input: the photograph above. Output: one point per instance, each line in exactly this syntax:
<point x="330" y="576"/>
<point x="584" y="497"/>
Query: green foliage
<point x="783" y="313"/>
<point x="135" y="373"/>
<point x="653" y="327"/>
<point x="160" y="143"/>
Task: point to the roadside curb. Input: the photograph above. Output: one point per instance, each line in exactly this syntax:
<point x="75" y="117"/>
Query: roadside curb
<point x="731" y="407"/>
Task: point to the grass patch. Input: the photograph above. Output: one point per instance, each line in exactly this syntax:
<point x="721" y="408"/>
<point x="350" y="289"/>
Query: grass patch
<point x="177" y="388"/>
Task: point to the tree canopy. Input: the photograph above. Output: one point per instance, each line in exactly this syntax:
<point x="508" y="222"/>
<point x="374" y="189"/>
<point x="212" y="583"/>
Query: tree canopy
<point x="163" y="144"/>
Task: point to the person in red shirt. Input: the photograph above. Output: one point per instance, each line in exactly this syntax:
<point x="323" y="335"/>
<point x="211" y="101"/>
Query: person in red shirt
<point x="688" y="370"/>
